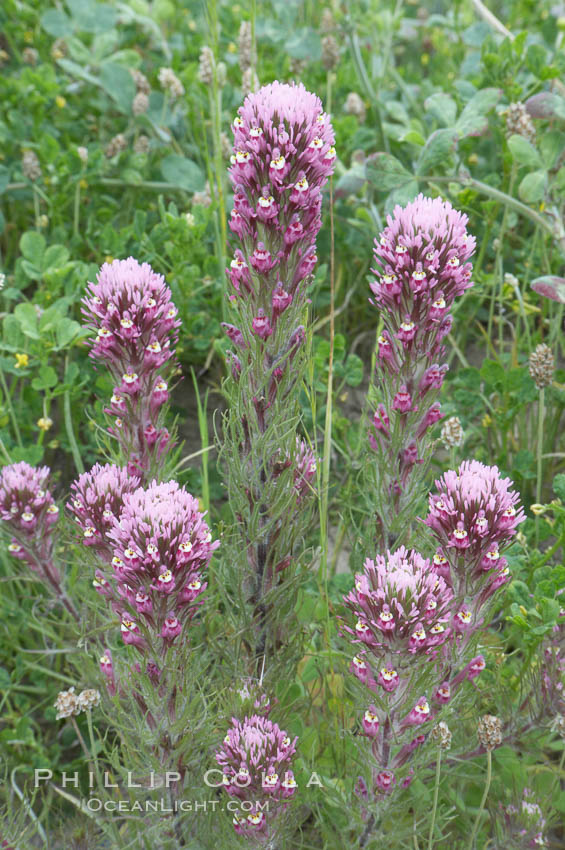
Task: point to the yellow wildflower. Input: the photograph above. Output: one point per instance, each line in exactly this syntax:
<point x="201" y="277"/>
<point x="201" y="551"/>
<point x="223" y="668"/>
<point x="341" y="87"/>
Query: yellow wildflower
<point x="44" y="423"/>
<point x="22" y="360"/>
<point x="60" y="101"/>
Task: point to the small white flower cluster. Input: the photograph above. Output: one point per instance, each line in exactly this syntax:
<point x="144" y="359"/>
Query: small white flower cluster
<point x="2" y="281"/>
<point x="68" y="703"/>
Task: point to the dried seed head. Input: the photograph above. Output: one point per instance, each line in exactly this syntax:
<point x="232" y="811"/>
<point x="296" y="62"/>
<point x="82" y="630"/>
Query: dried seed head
<point x="355" y="106"/>
<point x="88" y="699"/>
<point x="116" y="145"/>
<point x="170" y="82"/>
<point x="327" y="23"/>
<point x="249" y="81"/>
<point x="203" y="198"/>
<point x="489" y="731"/>
<point x="141" y="81"/>
<point x="30" y="166"/>
<point x="452" y="433"/>
<point x="221" y="74"/>
<point x="226" y="144"/>
<point x="297" y="67"/>
<point x="141" y="144"/>
<point x="542" y="365"/>
<point x="330" y="53"/>
<point x="58" y="49"/>
<point x="140" y="103"/>
<point x="206" y="66"/>
<point x="30" y="56"/>
<point x="67" y="704"/>
<point x="441" y="735"/>
<point x="247" y="57"/>
<point x="518" y="121"/>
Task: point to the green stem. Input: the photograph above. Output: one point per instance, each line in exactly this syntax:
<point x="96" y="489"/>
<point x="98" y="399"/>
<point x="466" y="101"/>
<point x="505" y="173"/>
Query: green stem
<point x="436" y="795"/>
<point x="69" y="428"/>
<point x="483" y="801"/>
<point x="10" y="408"/>
<point x="36" y="207"/>
<point x="76" y="212"/>
<point x="325" y="477"/>
<point x="203" y="428"/>
<point x="539" y="452"/>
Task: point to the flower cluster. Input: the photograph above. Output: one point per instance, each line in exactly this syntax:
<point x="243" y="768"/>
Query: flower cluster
<point x="415" y="618"/>
<point x="29" y="511"/>
<point x="305" y="470"/>
<point x="256" y="760"/>
<point x="523" y="823"/>
<point x="473" y="514"/>
<point x="422" y="260"/>
<point x="130" y="310"/>
<point x="161" y="545"/>
<point x="283" y="156"/>
<point x="422" y="257"/>
<point x="69" y="704"/>
<point x="96" y="502"/>
<point x="404" y="615"/>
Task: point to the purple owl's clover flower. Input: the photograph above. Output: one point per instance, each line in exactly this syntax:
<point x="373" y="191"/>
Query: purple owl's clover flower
<point x="151" y="545"/>
<point x="136" y="325"/>
<point x="422" y="260"/>
<point x="161" y="546"/>
<point x="473" y="514"/>
<point x="29" y="512"/>
<point x="256" y="760"/>
<point x="96" y="503"/>
<point x="283" y="156"/>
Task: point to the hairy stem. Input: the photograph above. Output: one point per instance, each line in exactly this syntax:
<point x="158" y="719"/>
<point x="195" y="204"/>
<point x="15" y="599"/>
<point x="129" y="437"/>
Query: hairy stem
<point x="483" y="801"/>
<point x="436" y="794"/>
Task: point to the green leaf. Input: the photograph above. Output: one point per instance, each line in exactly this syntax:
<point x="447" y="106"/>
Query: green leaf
<point x="51" y="317"/>
<point x="26" y="315"/>
<point x="92" y="17"/>
<point x="532" y="188"/>
<point x="442" y="107"/>
<point x="524" y="463"/>
<point x="350" y="182"/>
<point x="183" y="172"/>
<point x="31" y="271"/>
<point x="536" y="59"/>
<point x="304" y="44"/>
<point x="353" y="370"/>
<point x="413" y="138"/>
<point x="438" y="149"/>
<point x="46" y="379"/>
<point x="385" y="172"/>
<point x="32" y="246"/>
<point x="56" y="23"/>
<point x="30" y="454"/>
<point x="55" y="257"/>
<point x="4" y="179"/>
<point x="118" y="83"/>
<point x="493" y="373"/>
<point x="67" y="331"/>
<point x="523" y="152"/>
<point x="76" y="70"/>
<point x="473" y="121"/>
<point x="559" y="486"/>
